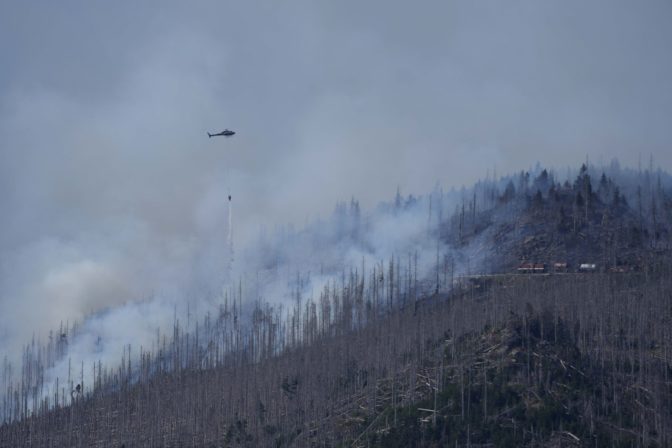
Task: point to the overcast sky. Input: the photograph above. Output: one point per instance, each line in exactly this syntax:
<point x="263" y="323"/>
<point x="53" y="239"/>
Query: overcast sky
<point x="105" y="166"/>
<point x="330" y="99"/>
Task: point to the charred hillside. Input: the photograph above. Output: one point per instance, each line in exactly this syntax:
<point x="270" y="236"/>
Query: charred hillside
<point x="404" y="326"/>
<point x="537" y="219"/>
<point x="514" y="361"/>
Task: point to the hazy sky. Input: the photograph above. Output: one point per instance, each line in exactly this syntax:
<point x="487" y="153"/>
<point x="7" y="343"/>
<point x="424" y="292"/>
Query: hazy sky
<point x="106" y="170"/>
<point x="330" y="99"/>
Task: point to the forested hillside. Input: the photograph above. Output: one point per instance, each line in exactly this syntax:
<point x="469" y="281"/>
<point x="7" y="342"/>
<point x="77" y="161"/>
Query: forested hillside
<point x="516" y="361"/>
<point x="409" y="325"/>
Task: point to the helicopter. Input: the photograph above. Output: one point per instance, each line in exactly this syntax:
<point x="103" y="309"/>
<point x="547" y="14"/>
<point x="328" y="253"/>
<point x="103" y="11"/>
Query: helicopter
<point x="225" y="133"/>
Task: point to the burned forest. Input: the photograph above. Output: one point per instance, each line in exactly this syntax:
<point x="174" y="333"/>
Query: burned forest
<point x="532" y="309"/>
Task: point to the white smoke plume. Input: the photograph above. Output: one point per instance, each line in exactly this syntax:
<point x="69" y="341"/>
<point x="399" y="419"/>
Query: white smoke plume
<point x="113" y="202"/>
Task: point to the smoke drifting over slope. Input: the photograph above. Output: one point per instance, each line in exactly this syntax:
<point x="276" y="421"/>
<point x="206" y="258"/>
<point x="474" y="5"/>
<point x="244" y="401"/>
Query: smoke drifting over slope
<point x="113" y="200"/>
<point x="415" y="240"/>
<point x="108" y="205"/>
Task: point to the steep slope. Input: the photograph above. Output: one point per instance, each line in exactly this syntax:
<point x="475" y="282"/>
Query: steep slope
<point x="518" y="361"/>
<point x="382" y="317"/>
<point x="548" y="222"/>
